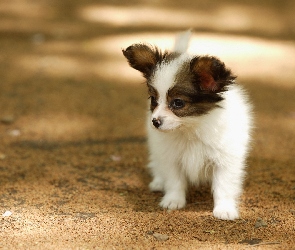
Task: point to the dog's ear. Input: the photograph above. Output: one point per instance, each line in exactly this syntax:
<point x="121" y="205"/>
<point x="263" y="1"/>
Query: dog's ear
<point x="210" y="74"/>
<point x="142" y="58"/>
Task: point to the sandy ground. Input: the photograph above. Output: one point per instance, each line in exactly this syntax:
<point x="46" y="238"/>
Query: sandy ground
<point x="72" y="134"/>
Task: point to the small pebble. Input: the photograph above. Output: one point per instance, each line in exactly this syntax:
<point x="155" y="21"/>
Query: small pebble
<point x="260" y="223"/>
<point x="116" y="158"/>
<point x="161" y="237"/>
<point x="14" y="132"/>
<point x="7" y="214"/>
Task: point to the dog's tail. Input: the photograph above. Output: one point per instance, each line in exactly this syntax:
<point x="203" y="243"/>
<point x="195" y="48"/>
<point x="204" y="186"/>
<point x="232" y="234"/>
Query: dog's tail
<point x="182" y="41"/>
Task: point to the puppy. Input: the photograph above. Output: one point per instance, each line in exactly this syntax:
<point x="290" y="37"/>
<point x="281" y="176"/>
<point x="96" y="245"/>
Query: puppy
<point x="198" y="125"/>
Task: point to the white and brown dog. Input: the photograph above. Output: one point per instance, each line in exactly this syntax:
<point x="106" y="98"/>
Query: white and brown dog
<point x="198" y="125"/>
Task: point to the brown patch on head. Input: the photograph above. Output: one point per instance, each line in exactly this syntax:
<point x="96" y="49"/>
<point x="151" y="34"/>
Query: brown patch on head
<point x="143" y="58"/>
<point x="210" y="74"/>
<point x="198" y="85"/>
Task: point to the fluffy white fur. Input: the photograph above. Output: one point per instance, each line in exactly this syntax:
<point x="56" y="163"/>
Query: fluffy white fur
<point x="210" y="148"/>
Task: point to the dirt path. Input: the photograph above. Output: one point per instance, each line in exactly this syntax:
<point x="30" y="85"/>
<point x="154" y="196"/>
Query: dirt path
<point x="72" y="116"/>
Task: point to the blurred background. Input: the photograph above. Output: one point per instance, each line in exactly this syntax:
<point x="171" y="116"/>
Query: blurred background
<point x="63" y="74"/>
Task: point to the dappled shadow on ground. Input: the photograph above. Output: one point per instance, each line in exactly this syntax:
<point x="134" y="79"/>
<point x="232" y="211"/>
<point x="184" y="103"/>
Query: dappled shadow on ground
<point x="72" y="131"/>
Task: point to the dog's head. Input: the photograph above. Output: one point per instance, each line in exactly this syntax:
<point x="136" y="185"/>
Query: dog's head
<point x="180" y="86"/>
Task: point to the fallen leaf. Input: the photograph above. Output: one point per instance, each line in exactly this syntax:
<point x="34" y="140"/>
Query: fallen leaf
<point x="250" y="241"/>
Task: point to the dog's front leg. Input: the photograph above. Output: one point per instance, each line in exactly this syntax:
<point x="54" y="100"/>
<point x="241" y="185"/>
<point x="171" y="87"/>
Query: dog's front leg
<point x="226" y="188"/>
<point x="175" y="189"/>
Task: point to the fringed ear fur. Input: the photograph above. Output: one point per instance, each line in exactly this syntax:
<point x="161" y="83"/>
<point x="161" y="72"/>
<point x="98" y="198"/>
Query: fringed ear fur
<point x="143" y="58"/>
<point x="210" y="74"/>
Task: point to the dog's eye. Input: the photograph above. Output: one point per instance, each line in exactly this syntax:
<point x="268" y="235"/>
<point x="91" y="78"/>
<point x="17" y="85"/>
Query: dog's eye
<point x="177" y="103"/>
<point x="154" y="102"/>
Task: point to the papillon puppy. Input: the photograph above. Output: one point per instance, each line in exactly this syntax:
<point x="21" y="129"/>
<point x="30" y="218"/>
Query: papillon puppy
<point x="199" y="125"/>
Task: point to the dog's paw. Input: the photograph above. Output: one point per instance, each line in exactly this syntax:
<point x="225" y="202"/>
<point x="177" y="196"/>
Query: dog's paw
<point x="173" y="202"/>
<point x="226" y="211"/>
<point x="156" y="185"/>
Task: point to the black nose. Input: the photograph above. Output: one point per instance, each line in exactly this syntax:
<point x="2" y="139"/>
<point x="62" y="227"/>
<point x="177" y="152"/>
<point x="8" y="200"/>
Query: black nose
<point x="157" y="122"/>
